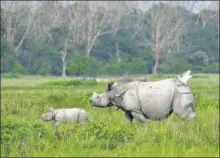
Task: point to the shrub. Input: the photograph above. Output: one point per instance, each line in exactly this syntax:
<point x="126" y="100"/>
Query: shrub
<point x="212" y="68"/>
<point x="11" y="75"/>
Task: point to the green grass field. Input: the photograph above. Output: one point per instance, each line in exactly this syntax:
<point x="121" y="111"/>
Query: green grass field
<point x="23" y="133"/>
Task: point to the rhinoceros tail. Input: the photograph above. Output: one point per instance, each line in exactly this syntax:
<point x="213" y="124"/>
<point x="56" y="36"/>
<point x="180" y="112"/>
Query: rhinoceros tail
<point x="185" y="77"/>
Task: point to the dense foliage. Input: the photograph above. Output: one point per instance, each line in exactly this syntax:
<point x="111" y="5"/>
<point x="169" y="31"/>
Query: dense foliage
<point x="41" y="54"/>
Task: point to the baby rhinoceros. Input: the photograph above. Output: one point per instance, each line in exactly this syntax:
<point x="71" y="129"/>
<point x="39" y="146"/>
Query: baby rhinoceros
<point x="71" y="115"/>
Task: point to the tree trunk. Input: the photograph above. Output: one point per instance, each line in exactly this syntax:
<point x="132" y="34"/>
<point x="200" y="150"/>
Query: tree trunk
<point x="64" y="63"/>
<point x="156" y="63"/>
<point x="217" y="41"/>
<point x="217" y="25"/>
<point x="64" y="70"/>
<point x="90" y="44"/>
<point x="88" y="51"/>
<point x="2" y="65"/>
<point x="117" y="53"/>
<point x="178" y="45"/>
<point x="8" y="34"/>
<point x="88" y="48"/>
<point x="155" y="67"/>
<point x="24" y="36"/>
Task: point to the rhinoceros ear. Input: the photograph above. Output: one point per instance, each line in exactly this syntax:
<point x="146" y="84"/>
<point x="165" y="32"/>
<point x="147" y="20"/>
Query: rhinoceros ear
<point x="112" y="85"/>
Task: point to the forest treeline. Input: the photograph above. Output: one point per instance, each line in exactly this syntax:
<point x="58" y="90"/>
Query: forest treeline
<point x="108" y="37"/>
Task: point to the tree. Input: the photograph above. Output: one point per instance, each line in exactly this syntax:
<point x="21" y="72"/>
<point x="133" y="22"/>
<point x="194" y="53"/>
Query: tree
<point x="166" y="27"/>
<point x="17" y="20"/>
<point x="64" y="50"/>
<point x="96" y="21"/>
<point x="49" y="37"/>
<point x="119" y="10"/>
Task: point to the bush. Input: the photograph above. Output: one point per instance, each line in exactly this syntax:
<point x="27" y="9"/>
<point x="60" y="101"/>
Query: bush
<point x="82" y="65"/>
<point x="135" y="65"/>
<point x="18" y="68"/>
<point x="199" y="60"/>
<point x="211" y="68"/>
<point x="173" y="65"/>
<point x="11" y="75"/>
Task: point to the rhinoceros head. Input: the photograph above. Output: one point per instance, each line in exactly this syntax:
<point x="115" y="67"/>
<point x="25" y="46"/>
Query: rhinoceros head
<point x="48" y="116"/>
<point x="103" y="99"/>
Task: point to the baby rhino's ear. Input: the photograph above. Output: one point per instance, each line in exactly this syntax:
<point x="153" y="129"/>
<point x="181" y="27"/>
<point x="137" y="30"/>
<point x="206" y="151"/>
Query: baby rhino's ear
<point x="51" y="109"/>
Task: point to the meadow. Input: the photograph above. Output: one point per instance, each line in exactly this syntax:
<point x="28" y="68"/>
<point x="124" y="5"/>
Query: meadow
<point x="23" y="133"/>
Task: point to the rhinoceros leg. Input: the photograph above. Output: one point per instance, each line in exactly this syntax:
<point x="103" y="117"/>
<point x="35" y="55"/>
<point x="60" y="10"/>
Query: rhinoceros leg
<point x="129" y="116"/>
<point x="139" y="117"/>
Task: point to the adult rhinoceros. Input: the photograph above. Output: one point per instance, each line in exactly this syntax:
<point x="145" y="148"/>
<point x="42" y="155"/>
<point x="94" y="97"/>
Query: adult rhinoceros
<point x="149" y="100"/>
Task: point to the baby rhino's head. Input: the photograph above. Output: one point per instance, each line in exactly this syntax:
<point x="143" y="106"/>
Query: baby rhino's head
<point x="48" y="116"/>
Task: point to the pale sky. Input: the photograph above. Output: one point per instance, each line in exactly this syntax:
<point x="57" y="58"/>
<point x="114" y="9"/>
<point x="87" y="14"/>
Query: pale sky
<point x="144" y="5"/>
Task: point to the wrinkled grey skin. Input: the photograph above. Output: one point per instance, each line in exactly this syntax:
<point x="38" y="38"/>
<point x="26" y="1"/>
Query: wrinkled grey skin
<point x="148" y="100"/>
<point x="73" y="115"/>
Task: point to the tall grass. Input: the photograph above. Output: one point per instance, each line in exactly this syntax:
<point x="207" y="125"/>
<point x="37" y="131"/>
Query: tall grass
<point x="23" y="133"/>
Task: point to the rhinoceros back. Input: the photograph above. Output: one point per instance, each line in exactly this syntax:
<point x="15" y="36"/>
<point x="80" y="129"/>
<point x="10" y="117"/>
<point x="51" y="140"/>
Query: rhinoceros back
<point x="156" y="98"/>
